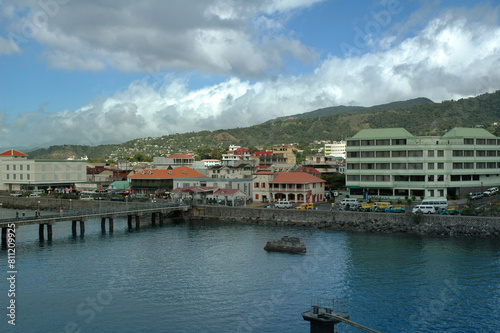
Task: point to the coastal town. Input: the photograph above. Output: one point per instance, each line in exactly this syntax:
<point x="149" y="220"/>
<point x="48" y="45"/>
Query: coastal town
<point x="391" y="166"/>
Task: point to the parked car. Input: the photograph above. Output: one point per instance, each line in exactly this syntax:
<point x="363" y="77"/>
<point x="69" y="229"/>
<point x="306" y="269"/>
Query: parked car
<point x="283" y="204"/>
<point x="491" y="191"/>
<point x="16" y="194"/>
<point x="395" y="209"/>
<point x="450" y="210"/>
<point x="305" y="206"/>
<point x="426" y="209"/>
<point x="380" y="206"/>
<point x="365" y="207"/>
<point x="35" y="195"/>
<point x="477" y="195"/>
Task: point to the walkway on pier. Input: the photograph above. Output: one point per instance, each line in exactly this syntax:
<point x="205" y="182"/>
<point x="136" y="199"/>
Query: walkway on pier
<point x="130" y="211"/>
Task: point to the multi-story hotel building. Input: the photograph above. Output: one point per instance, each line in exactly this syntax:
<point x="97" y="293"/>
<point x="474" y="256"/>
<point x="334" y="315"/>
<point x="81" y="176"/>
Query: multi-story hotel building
<point x="17" y="172"/>
<point x="391" y="162"/>
<point x="336" y="149"/>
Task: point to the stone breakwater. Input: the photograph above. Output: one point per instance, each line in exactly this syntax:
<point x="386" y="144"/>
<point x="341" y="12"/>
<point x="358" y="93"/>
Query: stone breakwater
<point x="471" y="226"/>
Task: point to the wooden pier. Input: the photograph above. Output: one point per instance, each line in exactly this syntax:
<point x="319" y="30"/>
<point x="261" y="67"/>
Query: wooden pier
<point x="157" y="213"/>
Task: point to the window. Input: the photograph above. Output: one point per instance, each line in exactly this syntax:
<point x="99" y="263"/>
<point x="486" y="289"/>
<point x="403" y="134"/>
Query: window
<point x="480" y="165"/>
<point x="383" y="178"/>
<point x="401" y="178"/>
<point x="7" y="167"/>
<point x="383" y="154"/>
<point x="367" y="178"/>
<point x="383" y="166"/>
<point x="491" y="165"/>
<point x="492" y="141"/>
<point x="415" y="153"/>
<point x="458" y="153"/>
<point x="384" y="142"/>
<point x="352" y="143"/>
<point x="440" y="178"/>
<point x="21" y="176"/>
<point x="455" y="178"/>
<point x="367" y="154"/>
<point x="398" y="166"/>
<point x="466" y="177"/>
<point x="256" y="185"/>
<point x="353" y="154"/>
<point x="457" y="166"/>
<point x="398" y="142"/>
<point x="415" y="166"/>
<point x="352" y="166"/>
<point x="468" y="165"/>
<point x="28" y="177"/>
<point x="468" y="141"/>
<point x="491" y="153"/>
<point x="440" y="153"/>
<point x="430" y="166"/>
<point x="263" y="185"/>
<point x="367" y="166"/>
<point x="419" y="178"/>
<point x="367" y="142"/>
<point x="440" y="165"/>
<point x="353" y="178"/>
<point x="480" y="153"/>
<point x="475" y="177"/>
<point x="21" y="167"/>
<point x="28" y="167"/>
<point x="430" y="178"/>
<point x="399" y="153"/>
<point x="430" y="153"/>
<point x="469" y="153"/>
<point x="480" y="141"/>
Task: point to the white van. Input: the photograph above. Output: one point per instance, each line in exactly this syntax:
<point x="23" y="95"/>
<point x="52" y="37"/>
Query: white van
<point x="283" y="204"/>
<point x="352" y="202"/>
<point x="426" y="209"/>
<point x="436" y="202"/>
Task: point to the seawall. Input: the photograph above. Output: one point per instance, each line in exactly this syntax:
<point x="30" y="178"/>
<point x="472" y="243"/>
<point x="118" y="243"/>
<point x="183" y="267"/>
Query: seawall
<point x="476" y="226"/>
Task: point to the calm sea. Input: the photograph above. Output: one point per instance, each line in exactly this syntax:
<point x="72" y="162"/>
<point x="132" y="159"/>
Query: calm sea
<point x="218" y="278"/>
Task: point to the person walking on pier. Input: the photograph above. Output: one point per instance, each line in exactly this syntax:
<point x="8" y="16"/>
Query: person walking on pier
<point x="24" y="215"/>
<point x="17" y="215"/>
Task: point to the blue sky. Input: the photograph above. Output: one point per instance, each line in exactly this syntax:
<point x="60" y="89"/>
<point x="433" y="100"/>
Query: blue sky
<point x="97" y="72"/>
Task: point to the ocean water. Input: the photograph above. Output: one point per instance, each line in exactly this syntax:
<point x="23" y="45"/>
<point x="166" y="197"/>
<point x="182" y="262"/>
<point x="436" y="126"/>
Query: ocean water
<point x="216" y="277"/>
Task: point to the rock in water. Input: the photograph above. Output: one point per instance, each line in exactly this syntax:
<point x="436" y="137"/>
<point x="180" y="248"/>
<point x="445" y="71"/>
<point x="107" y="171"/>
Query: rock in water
<point x="286" y="244"/>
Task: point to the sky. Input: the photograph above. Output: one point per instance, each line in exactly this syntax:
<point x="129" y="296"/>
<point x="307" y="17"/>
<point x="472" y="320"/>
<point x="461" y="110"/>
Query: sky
<point x="98" y="72"/>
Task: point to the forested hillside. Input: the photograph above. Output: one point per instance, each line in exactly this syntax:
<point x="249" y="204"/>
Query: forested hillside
<point x="422" y="117"/>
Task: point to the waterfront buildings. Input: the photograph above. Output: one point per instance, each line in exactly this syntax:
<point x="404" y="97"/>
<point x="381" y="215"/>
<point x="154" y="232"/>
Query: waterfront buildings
<point x="295" y="187"/>
<point x="173" y="161"/>
<point x="17" y="172"/>
<point x="391" y="162"/>
<point x="159" y="181"/>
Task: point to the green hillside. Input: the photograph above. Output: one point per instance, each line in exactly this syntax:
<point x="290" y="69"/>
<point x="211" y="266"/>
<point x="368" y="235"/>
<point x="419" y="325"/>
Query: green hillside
<point x="334" y="110"/>
<point x="420" y="117"/>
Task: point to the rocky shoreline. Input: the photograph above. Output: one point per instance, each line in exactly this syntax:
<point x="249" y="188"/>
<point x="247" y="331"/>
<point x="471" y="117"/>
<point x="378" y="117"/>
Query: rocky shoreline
<point x="467" y="226"/>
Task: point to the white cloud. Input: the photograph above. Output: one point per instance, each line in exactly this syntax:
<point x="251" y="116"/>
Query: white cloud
<point x="454" y="56"/>
<point x="7" y="47"/>
<point x="213" y="36"/>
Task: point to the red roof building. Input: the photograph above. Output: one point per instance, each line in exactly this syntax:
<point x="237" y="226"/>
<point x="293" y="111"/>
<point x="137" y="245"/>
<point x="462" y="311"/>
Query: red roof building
<point x="13" y="153"/>
<point x="160" y="180"/>
<point x="297" y="187"/>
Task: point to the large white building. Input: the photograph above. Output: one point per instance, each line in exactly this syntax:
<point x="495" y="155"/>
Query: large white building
<point x="17" y="172"/>
<point x="393" y="163"/>
<point x="336" y="149"/>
